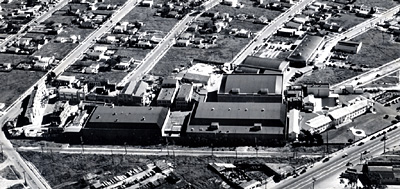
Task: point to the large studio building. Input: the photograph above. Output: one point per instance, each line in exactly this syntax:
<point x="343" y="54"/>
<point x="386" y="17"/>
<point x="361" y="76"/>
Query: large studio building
<point x="227" y="123"/>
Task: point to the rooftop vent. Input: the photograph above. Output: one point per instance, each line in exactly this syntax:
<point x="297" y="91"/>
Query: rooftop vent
<point x="256" y="127"/>
<point x="116" y="120"/>
<point x="262" y="110"/>
<point x="246" y="109"/>
<point x="98" y="117"/>
<point x="213" y="126"/>
<point x="114" y="113"/>
<point x="212" y="109"/>
<point x="235" y="90"/>
<point x="229" y="109"/>
<point x="143" y="118"/>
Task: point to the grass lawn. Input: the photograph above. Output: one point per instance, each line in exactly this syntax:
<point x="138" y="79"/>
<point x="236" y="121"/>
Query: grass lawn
<point x="328" y="75"/>
<point x="246" y="25"/>
<point x="79" y="6"/>
<point x="60" y="17"/>
<point x="145" y="15"/>
<point x="13" y="58"/>
<point x="135" y="53"/>
<point x="370" y="123"/>
<point x="10" y="173"/>
<point x="74" y="30"/>
<point x="113" y="76"/>
<point x="66" y="169"/>
<point x="58" y="50"/>
<point x="227" y="48"/>
<point x="15" y="83"/>
<point x="377" y="49"/>
<point x="247" y="9"/>
<point x="347" y="21"/>
<point x="378" y="3"/>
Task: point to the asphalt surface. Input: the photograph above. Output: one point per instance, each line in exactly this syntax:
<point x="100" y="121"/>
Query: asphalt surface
<point x="337" y="164"/>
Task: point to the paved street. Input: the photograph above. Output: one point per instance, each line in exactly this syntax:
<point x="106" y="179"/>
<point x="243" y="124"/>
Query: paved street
<point x="325" y="172"/>
<point x="158" y="52"/>
<point x="270" y="29"/>
<point x="34" y="179"/>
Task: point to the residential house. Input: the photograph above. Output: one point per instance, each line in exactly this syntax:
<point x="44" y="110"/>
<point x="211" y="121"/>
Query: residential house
<point x="294" y="25"/>
<point x="92" y="69"/>
<point x="88" y="24"/>
<point x="244" y="33"/>
<point x="182" y="43"/>
<point x="232" y="3"/>
<point x="147" y="3"/>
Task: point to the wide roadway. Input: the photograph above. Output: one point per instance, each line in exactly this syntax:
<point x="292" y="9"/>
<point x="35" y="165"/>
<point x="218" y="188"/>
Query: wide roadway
<point x="331" y="169"/>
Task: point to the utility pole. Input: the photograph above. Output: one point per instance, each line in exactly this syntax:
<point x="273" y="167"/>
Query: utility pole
<point x="126" y="151"/>
<point x="384" y="143"/>
<point x="25" y="178"/>
<point x="327" y="142"/>
<point x="313" y="182"/>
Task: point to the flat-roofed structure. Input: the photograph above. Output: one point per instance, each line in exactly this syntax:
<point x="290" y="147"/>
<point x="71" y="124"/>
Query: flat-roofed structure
<point x="228" y="123"/>
<point x="166" y="97"/>
<point x="184" y="96"/>
<point x="134" y="93"/>
<point x="348" y="46"/>
<point x="120" y="124"/>
<point x="251" y="88"/>
<point x="300" y="57"/>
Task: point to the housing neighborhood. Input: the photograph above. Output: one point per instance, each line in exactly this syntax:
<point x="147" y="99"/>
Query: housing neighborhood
<point x="199" y="94"/>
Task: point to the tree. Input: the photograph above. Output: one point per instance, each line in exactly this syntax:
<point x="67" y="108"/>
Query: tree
<point x="318" y="138"/>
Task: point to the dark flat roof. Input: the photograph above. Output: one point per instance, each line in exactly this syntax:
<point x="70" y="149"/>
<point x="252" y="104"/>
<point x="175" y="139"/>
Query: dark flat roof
<point x="129" y="114"/>
<point x="234" y="110"/>
<point x="306" y="48"/>
<point x="251" y="83"/>
<point x="235" y="130"/>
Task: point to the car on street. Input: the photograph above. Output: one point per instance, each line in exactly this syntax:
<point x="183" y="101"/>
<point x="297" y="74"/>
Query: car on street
<point x="344" y="155"/>
<point x="360" y="144"/>
<point x="365" y="152"/>
<point x="326" y="159"/>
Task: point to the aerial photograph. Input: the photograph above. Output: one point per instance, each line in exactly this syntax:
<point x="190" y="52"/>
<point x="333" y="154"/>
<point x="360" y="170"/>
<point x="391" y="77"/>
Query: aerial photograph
<point x="200" y="94"/>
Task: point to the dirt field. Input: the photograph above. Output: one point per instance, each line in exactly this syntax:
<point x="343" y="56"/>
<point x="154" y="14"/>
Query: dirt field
<point x="377" y="49"/>
<point x="65" y="170"/>
<point x="14" y="86"/>
<point x="328" y="75"/>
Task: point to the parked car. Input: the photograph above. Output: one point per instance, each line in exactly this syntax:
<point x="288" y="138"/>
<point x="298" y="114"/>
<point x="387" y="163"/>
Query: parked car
<point x="360" y="144"/>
